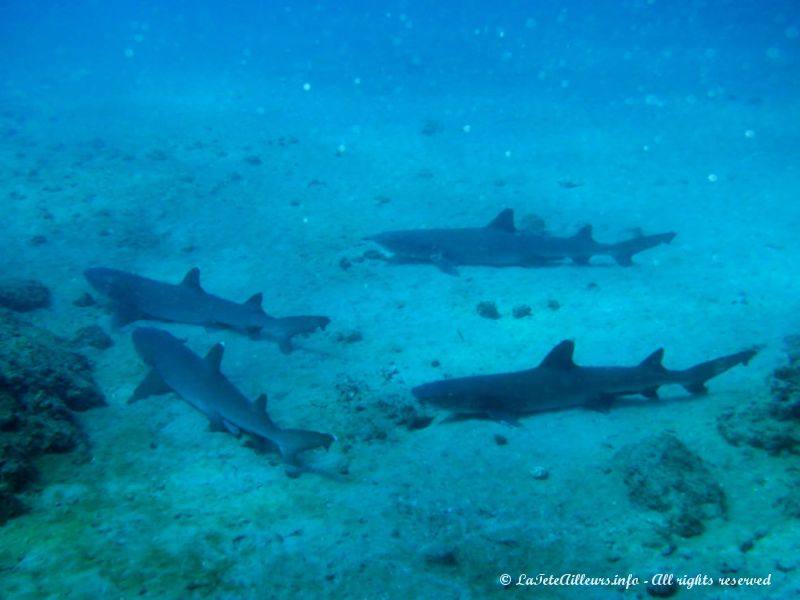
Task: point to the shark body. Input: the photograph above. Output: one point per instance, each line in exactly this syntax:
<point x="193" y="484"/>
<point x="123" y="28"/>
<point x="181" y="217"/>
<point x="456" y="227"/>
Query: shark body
<point x="500" y="244"/>
<point x="557" y="383"/>
<point x="135" y="297"/>
<point x="200" y="382"/>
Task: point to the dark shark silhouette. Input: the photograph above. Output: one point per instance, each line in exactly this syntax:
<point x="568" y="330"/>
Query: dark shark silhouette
<point x="175" y="368"/>
<point x="500" y="244"/>
<point x="135" y="297"/>
<point x="559" y="384"/>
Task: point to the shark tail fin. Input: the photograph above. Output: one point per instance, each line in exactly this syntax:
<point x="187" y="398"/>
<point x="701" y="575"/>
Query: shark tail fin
<point x="293" y="442"/>
<point x="623" y="252"/>
<point x="695" y="378"/>
<point x="288" y="327"/>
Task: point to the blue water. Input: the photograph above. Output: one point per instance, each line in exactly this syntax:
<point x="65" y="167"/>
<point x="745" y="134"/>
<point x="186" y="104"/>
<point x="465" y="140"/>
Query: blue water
<point x="263" y="142"/>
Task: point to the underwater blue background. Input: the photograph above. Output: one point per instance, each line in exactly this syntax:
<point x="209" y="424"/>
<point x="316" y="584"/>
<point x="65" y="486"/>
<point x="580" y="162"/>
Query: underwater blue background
<point x="263" y="142"/>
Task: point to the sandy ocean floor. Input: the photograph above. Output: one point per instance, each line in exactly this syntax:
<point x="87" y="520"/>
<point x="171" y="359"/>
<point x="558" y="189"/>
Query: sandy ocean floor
<point x="268" y="192"/>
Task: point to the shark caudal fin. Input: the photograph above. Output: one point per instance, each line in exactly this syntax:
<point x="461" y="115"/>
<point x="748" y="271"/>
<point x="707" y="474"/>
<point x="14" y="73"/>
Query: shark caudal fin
<point x="293" y="442"/>
<point x="282" y="330"/>
<point x="623" y="252"/>
<point x="694" y="379"/>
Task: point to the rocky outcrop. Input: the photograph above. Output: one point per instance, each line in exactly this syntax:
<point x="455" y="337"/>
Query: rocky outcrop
<point x="771" y="423"/>
<point x="663" y="475"/>
<point x="42" y="380"/>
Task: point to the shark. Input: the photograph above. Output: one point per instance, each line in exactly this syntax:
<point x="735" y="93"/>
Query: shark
<point x="134" y="297"/>
<point x="200" y="382"/>
<point x="501" y="244"/>
<point x="557" y="383"/>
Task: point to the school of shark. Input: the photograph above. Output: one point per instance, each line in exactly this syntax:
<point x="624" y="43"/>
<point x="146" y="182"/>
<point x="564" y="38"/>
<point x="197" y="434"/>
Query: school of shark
<point x="556" y="383"/>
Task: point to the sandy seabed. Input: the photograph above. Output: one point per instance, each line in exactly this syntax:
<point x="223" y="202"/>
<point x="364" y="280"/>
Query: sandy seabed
<point x="271" y="194"/>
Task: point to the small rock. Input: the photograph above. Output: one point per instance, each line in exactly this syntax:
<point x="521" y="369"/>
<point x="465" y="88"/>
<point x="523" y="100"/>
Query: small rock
<point x="488" y="310"/>
<point x="540" y="473"/>
<point x="23" y="295"/>
<point x="253" y="160"/>
<point x="436" y="364"/>
<point x="84" y="300"/>
<point x="349" y="337"/>
<point x="553" y="304"/>
<point x="521" y="311"/>
<point x="344" y="263"/>
<point x="93" y="336"/>
<point x="440" y="555"/>
<point x="500" y="440"/>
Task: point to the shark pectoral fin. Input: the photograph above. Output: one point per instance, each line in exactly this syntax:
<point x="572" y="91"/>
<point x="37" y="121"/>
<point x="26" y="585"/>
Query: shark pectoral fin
<point x="445" y="265"/>
<point x="216" y="425"/>
<point x="285" y="344"/>
<point x="125" y="313"/>
<point x="651" y="393"/>
<point x="233" y="429"/>
<point x="504" y="417"/>
<point x="698" y="388"/>
<point x="152" y="385"/>
<point x="601" y="403"/>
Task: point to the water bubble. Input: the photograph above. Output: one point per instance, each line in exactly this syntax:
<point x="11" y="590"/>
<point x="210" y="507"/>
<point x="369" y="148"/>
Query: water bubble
<point x="749" y="134"/>
<point x="306" y="87"/>
<point x="713" y="178"/>
<point x="467" y="128"/>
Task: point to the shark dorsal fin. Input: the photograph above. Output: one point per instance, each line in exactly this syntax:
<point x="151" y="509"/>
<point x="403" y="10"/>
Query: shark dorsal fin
<point x="654" y="360"/>
<point x="192" y="279"/>
<point x="214" y="357"/>
<point x="255" y="301"/>
<point x="261" y="403"/>
<point x="584" y="233"/>
<point x="560" y="357"/>
<point x="504" y="221"/>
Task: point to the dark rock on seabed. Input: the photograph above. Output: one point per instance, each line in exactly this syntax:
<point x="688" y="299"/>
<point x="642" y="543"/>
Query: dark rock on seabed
<point x="41" y="382"/>
<point x="23" y="295"/>
<point x="771" y="423"/>
<point x="663" y="475"/>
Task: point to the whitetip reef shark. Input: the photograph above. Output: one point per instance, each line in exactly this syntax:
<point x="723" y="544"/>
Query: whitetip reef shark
<point x="557" y="383"/>
<point x="135" y="297"/>
<point x="200" y="382"/>
<point x="501" y="244"/>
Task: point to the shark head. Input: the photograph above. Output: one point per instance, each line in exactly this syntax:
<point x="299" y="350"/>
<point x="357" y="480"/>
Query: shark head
<point x="105" y="281"/>
<point x="407" y="244"/>
<point x="445" y="394"/>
